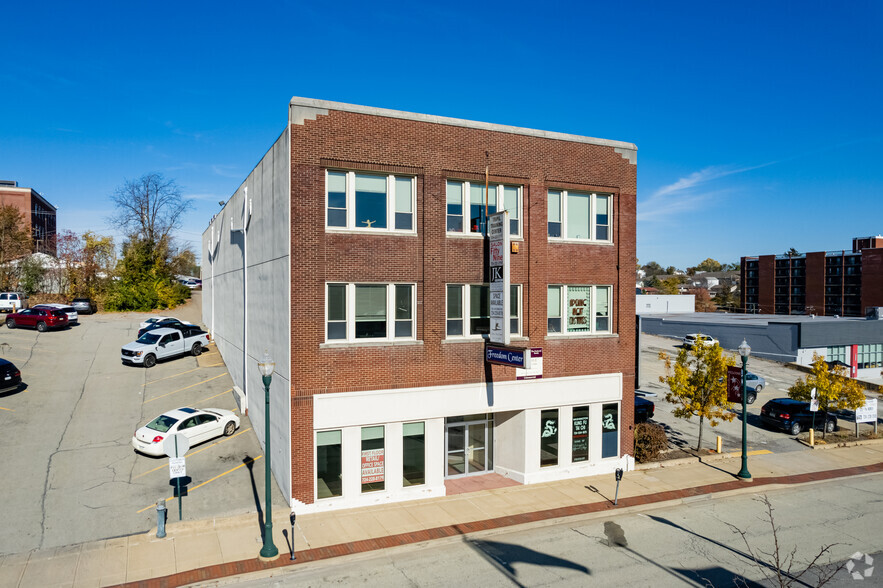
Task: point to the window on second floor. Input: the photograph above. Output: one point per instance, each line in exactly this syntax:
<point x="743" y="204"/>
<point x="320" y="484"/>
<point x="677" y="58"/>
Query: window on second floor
<point x="583" y="216"/>
<point x="466" y="206"/>
<point x="468" y="310"/>
<point x="574" y="310"/>
<point x="364" y="201"/>
<point x="356" y="312"/>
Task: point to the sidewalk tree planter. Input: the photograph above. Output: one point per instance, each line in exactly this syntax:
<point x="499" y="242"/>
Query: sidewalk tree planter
<point x="697" y="382"/>
<point x="835" y="389"/>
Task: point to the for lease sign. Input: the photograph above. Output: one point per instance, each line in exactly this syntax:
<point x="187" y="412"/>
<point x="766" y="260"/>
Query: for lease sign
<point x="372" y="466"/>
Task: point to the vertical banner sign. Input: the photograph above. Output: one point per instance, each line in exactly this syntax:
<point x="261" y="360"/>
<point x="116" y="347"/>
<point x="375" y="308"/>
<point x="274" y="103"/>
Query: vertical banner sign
<point x="498" y="266"/>
<point x="372" y="466"/>
<point x="734" y="384"/>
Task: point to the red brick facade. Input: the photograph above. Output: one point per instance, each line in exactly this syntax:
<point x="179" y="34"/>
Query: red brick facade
<point x="38" y="214"/>
<point x="431" y="259"/>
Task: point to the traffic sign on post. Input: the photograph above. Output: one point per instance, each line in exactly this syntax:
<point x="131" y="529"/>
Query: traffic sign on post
<point x="176" y="445"/>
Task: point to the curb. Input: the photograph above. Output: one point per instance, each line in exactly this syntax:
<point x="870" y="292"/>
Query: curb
<point x="842" y="443"/>
<point x="248" y="566"/>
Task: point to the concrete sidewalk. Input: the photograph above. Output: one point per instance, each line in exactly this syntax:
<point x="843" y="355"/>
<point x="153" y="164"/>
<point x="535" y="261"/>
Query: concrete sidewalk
<point x="199" y="551"/>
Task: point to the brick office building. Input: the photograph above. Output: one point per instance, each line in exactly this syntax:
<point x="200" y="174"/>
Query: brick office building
<point x="825" y="283"/>
<point x="39" y="215"/>
<point x="354" y="252"/>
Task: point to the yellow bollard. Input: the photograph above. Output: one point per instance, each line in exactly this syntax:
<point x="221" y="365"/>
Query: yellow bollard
<point x="720" y="443"/>
<point x="812" y="438"/>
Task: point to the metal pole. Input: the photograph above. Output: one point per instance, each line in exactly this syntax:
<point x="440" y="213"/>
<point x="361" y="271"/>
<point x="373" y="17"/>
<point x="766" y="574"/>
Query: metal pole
<point x="178" y="481"/>
<point x="743" y="473"/>
<point x="269" y="550"/>
<point x="616" y="495"/>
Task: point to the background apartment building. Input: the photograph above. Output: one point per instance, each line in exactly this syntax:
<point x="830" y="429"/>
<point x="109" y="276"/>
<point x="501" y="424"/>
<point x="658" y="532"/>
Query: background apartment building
<point x="830" y="283"/>
<point x="355" y="253"/>
<point x="39" y="216"/>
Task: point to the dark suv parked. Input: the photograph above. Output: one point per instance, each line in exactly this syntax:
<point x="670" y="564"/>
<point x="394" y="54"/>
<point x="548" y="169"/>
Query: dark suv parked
<point x="794" y="416"/>
<point x="644" y="409"/>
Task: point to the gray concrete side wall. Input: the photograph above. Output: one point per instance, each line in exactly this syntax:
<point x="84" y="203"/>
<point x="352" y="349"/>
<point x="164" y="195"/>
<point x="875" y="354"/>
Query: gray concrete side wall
<point x="245" y="321"/>
<point x="775" y="341"/>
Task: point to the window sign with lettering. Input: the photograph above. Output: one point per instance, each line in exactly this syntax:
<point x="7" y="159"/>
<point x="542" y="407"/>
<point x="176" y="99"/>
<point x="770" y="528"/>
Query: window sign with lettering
<point x="610" y="430"/>
<point x="579" y="306"/>
<point x="580" y="433"/>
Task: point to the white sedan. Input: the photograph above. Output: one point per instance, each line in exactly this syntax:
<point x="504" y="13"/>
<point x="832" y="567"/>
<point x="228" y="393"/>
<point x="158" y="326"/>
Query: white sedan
<point x="195" y="424"/>
<point x="154" y="319"/>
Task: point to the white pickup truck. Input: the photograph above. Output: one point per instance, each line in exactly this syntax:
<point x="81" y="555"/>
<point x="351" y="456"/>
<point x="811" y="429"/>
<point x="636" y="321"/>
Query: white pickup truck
<point x="164" y="343"/>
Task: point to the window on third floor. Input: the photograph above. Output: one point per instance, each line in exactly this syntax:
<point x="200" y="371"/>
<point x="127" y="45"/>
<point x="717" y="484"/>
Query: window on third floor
<point x="370" y="202"/>
<point x="466" y="206"/>
<point x="581" y="216"/>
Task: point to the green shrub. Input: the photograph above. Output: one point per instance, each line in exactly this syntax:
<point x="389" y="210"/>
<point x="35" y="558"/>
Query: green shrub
<point x="650" y="441"/>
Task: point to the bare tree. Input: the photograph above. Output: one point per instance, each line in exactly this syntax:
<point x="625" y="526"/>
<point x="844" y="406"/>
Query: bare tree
<point x="149" y="208"/>
<point x="783" y="569"/>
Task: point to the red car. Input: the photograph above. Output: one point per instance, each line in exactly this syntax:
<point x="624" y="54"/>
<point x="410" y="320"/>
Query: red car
<point x="42" y="319"/>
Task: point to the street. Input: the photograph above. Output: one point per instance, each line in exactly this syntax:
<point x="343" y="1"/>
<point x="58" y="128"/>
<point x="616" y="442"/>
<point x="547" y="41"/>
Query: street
<point x="691" y="544"/>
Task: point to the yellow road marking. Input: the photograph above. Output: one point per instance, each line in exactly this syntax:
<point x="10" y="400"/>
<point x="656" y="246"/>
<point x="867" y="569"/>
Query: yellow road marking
<point x="9" y="409"/>
<point x="758" y="452"/>
<point x="170" y="377"/>
<point x="194" y="452"/>
<point x="215" y="396"/>
<point x="215" y="364"/>
<point x="206" y="482"/>
<point x="185" y="388"/>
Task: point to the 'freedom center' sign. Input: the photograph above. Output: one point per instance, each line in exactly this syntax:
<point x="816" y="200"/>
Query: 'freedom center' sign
<point x="519" y="358"/>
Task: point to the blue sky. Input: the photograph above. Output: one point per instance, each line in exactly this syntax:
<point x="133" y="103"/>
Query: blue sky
<point x="758" y="124"/>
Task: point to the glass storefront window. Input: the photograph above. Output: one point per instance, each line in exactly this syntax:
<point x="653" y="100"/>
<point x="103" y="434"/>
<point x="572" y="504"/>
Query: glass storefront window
<point x="413" y="454"/>
<point x="610" y="430"/>
<point x="549" y="438"/>
<point x="580" y="433"/>
<point x="372" y="459"/>
<point x="328" y="464"/>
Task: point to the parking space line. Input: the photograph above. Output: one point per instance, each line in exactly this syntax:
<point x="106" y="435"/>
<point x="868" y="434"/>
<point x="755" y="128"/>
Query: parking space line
<point x="215" y="396"/>
<point x="194" y="452"/>
<point x="9" y="409"/>
<point x="185" y="388"/>
<point x="206" y="482"/>
<point x="170" y="377"/>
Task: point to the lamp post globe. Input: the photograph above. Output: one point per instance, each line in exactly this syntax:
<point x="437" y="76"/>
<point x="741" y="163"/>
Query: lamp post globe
<point x="744" y="351"/>
<point x="269" y="551"/>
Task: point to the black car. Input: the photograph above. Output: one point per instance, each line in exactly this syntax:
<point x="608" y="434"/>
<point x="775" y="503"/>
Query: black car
<point x="10" y="376"/>
<point x="644" y="409"/>
<point x="169" y="323"/>
<point x="83" y="305"/>
<point x="794" y="416"/>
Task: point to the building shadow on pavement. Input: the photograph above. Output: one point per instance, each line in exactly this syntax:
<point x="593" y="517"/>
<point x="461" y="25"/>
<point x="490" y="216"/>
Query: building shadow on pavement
<point x="503" y="556"/>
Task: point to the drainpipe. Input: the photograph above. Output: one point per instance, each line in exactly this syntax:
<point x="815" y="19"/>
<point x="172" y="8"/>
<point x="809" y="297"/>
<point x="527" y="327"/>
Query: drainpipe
<point x="246" y="218"/>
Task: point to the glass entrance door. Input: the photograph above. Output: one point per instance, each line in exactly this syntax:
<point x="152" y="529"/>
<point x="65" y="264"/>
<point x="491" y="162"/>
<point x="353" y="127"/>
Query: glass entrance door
<point x="466" y="447"/>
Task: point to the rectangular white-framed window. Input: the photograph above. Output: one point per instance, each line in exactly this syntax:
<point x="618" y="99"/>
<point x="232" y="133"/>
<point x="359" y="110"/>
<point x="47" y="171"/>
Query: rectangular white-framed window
<point x="369" y="312"/>
<point x="578" y="310"/>
<point x="370" y="201"/>
<point x="466" y="206"/>
<point x="579" y="216"/>
<point x="468" y="310"/>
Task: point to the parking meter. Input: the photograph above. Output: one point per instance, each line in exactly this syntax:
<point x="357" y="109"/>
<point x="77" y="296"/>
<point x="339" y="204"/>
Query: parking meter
<point x="618" y="474"/>
<point x="618" y="478"/>
<point x="292" y="518"/>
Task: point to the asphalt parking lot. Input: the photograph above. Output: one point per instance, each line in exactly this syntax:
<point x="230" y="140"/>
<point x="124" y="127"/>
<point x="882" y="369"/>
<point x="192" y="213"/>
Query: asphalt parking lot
<point x="683" y="432"/>
<point x="69" y="472"/>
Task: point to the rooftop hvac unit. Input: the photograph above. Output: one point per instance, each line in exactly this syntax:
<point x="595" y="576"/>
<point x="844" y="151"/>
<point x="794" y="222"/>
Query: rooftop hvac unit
<point x="875" y="313"/>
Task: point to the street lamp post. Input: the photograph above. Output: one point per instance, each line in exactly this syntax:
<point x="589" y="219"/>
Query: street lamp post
<point x="269" y="550"/>
<point x="744" y="351"/>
